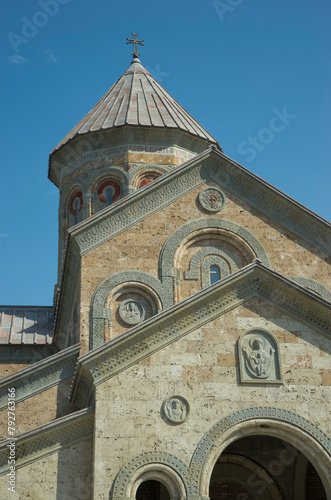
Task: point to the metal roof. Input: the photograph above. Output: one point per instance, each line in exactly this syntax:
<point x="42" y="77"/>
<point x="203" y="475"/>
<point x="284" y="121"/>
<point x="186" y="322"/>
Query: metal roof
<point x="26" y="325"/>
<point x="137" y="99"/>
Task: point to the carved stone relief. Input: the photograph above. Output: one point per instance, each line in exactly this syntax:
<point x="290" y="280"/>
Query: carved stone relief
<point x="259" y="359"/>
<point x="132" y="311"/>
<point x="175" y="409"/>
<point x="212" y="199"/>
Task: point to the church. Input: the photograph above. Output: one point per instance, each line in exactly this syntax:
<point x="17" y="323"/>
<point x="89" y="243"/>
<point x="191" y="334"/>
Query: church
<point x="187" y="352"/>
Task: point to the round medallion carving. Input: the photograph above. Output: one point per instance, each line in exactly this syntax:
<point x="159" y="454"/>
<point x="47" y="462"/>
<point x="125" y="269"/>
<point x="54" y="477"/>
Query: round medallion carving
<point x="132" y="312"/>
<point x="175" y="409"/>
<point x="212" y="199"/>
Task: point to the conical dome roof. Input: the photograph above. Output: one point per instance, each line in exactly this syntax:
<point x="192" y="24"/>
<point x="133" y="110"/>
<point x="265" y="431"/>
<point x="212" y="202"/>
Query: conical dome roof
<point x="137" y="99"/>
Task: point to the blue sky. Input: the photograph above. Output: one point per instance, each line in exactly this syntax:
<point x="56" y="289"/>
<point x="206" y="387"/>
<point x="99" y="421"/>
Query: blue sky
<point x="235" y="65"/>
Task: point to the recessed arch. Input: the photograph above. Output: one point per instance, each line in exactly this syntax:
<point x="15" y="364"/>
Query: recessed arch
<point x="98" y="311"/>
<point x="160" y="466"/>
<point x="167" y="270"/>
<point x="246" y="476"/>
<point x="170" y="246"/>
<point x="193" y="272"/>
<point x="276" y="422"/>
<point x="145" y="175"/>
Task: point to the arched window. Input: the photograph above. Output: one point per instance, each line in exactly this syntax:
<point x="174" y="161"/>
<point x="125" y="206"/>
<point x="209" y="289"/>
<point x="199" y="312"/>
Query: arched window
<point x="76" y="204"/>
<point x="109" y="195"/>
<point x="152" y="490"/>
<point x="108" y="192"/>
<point x="76" y="210"/>
<point x="214" y="274"/>
<point x="146" y="181"/>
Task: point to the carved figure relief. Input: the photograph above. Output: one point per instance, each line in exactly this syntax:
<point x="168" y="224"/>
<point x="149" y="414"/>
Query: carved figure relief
<point x="259" y="357"/>
<point x="212" y="199"/>
<point x="132" y="312"/>
<point x="175" y="409"/>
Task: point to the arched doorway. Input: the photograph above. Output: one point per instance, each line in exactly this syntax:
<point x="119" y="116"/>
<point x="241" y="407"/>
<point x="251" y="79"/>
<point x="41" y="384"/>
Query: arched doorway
<point x="152" y="490"/>
<point x="263" y="467"/>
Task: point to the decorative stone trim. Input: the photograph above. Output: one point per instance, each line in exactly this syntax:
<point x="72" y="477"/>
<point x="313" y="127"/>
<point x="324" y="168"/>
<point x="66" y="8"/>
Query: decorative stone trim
<point x="134" y="208"/>
<point x="169" y="248"/>
<point x="40" y="376"/>
<point x="83" y="150"/>
<point x="272" y="202"/>
<point x="193" y="272"/>
<point x="313" y="286"/>
<point x="103" y="290"/>
<point x="211" y="164"/>
<point x="254" y="280"/>
<point x="153" y="457"/>
<point x="210" y="438"/>
<point x="49" y="438"/>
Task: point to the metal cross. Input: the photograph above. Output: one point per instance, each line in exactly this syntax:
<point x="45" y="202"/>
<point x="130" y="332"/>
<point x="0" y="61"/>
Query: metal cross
<point x="212" y="199"/>
<point x="135" y="42"/>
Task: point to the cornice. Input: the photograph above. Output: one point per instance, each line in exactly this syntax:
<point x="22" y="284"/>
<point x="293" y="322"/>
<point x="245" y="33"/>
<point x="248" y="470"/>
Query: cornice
<point x="40" y="376"/>
<point x="254" y="280"/>
<point x="274" y="203"/>
<point x="48" y="438"/>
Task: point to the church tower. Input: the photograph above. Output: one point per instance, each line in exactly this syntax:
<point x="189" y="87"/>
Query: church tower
<point x="190" y="355"/>
<point x="134" y="134"/>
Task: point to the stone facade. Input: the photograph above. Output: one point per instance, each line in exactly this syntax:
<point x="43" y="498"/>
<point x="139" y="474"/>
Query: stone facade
<point x="191" y="355"/>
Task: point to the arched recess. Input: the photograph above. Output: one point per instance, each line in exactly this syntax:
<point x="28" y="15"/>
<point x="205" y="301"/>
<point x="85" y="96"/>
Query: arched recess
<point x="314" y="286"/>
<point x="99" y="314"/>
<point x="158" y="466"/>
<point x="276" y="422"/>
<point x="193" y="272"/>
<point x="239" y="470"/>
<point x="147" y="173"/>
<point x="169" y="273"/>
<point x="115" y="178"/>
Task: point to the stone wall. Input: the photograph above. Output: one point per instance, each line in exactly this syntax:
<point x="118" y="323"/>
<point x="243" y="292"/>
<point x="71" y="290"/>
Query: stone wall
<point x="65" y="474"/>
<point x="39" y="409"/>
<point x="203" y="368"/>
<point x="139" y="248"/>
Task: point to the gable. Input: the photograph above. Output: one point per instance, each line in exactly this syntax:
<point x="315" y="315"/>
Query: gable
<point x="130" y="234"/>
<point x="200" y="372"/>
<point x="211" y="164"/>
<point x="169" y="326"/>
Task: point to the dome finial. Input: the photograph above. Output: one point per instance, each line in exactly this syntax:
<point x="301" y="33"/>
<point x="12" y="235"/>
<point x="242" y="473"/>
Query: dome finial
<point x="135" y="43"/>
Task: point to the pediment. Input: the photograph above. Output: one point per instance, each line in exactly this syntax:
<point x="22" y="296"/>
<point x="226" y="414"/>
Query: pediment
<point x="255" y="280"/>
<point x="209" y="165"/>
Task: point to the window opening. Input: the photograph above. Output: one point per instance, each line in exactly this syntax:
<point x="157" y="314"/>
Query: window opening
<point x="109" y="196"/>
<point x="76" y="210"/>
<point x="214" y="274"/>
